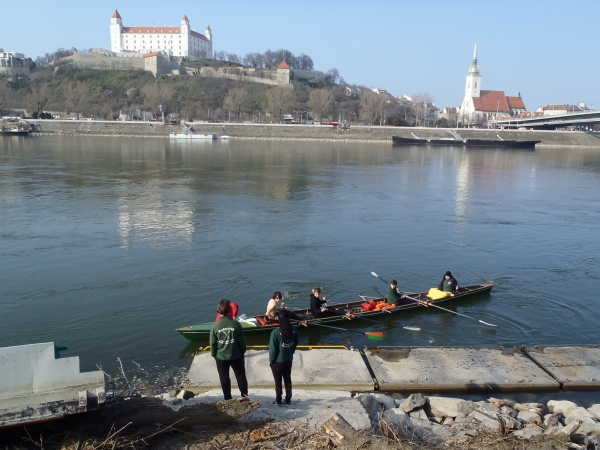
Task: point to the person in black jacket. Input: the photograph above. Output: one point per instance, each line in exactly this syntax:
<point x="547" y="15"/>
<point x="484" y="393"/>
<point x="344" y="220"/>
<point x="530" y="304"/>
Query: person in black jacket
<point x="449" y="283"/>
<point x="282" y="346"/>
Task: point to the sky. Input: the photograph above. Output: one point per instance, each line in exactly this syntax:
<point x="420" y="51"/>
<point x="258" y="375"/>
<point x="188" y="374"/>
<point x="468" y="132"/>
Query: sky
<point x="545" y="50"/>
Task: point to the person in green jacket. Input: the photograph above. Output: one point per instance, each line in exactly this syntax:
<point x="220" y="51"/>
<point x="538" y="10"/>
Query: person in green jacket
<point x="282" y="346"/>
<point x="227" y="346"/>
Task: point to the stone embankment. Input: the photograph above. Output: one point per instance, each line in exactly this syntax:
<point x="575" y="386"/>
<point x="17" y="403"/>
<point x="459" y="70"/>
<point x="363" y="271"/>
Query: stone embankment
<point x="306" y="132"/>
<point x="427" y="421"/>
<point x="446" y="421"/>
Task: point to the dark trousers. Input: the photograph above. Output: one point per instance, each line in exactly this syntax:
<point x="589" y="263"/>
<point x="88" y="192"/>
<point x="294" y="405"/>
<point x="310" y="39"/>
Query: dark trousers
<point x="282" y="370"/>
<point x="239" y="370"/>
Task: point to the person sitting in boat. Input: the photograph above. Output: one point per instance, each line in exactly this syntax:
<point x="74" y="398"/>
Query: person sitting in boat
<point x="233" y="311"/>
<point x="394" y="297"/>
<point x="317" y="307"/>
<point x="271" y="313"/>
<point x="449" y="283"/>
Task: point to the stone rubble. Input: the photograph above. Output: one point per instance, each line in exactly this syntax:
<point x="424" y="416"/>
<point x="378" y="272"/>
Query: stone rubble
<point x="440" y="421"/>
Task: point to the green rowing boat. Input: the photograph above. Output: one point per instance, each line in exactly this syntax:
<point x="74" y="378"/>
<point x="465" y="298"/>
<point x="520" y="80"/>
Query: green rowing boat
<point x="343" y="312"/>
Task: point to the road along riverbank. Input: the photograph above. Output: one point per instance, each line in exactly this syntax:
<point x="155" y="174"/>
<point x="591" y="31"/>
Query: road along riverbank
<point x="308" y="132"/>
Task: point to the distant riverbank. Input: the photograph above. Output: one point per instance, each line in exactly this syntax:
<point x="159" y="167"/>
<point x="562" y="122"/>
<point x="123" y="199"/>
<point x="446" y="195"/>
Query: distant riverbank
<point x="306" y="132"/>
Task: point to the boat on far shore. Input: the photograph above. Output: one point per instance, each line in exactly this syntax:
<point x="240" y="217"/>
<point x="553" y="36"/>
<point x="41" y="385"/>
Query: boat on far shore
<point x="17" y="129"/>
<point x="188" y="134"/>
<point x="456" y="140"/>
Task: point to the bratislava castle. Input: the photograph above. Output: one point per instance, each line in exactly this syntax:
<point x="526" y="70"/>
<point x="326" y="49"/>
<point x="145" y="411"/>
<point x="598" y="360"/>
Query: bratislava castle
<point x="176" y="41"/>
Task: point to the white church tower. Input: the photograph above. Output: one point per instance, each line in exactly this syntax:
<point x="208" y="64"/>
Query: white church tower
<point x="472" y="87"/>
<point x="116" y="27"/>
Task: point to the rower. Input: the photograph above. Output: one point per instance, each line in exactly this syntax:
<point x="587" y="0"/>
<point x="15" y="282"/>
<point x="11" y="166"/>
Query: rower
<point x="271" y="313"/>
<point x="395" y="297"/>
<point x="449" y="283"/>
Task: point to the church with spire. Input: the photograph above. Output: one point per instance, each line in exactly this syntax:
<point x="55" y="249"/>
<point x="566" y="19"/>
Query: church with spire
<point x="179" y="41"/>
<point x="480" y="103"/>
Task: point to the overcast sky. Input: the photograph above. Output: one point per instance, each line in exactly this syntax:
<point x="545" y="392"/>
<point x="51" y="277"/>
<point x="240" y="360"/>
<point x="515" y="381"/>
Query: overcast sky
<point x="546" y="50"/>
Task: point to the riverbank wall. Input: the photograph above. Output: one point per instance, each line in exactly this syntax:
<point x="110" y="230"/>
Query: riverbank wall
<point x="308" y="132"/>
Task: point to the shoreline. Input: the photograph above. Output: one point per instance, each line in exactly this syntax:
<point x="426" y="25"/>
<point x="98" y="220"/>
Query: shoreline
<point x="308" y="133"/>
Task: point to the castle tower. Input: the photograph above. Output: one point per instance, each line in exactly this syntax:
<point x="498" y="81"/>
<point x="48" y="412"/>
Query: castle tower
<point x="208" y="33"/>
<point x="473" y="86"/>
<point x="116" y="28"/>
<point x="283" y="73"/>
<point x="185" y="26"/>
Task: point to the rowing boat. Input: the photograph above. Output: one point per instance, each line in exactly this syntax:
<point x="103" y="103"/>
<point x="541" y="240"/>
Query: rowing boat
<point x="345" y="311"/>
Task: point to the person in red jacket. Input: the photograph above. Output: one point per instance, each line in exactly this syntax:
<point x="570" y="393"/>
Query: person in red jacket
<point x="233" y="311"/>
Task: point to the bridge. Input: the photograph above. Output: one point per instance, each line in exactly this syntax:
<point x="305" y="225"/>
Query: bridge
<point x="584" y="120"/>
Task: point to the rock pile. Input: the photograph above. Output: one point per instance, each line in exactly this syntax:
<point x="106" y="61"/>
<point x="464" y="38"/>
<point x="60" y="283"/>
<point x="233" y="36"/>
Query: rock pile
<point x="452" y="421"/>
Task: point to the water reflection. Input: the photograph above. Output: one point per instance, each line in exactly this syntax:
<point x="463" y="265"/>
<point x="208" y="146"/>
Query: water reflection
<point x="158" y="222"/>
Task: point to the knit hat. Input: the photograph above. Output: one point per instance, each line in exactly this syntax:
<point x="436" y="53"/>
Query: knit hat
<point x="448" y="274"/>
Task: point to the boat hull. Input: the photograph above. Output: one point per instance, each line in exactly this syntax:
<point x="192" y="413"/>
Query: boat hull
<point x="507" y="143"/>
<point x="201" y="332"/>
<point x="191" y="137"/>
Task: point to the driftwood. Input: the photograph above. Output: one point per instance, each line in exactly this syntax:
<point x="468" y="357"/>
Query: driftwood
<point x="146" y="411"/>
<point x="342" y="432"/>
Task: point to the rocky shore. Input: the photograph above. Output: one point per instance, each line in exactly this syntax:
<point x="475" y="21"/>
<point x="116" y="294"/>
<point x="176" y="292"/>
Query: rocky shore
<point x="374" y="420"/>
<point x="443" y="421"/>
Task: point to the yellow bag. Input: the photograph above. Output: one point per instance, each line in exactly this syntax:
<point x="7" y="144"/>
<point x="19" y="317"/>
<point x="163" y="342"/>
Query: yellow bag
<point x="436" y="294"/>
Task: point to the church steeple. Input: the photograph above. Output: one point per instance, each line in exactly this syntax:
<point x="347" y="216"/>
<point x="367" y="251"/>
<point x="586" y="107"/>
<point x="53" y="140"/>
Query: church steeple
<point x="474" y="70"/>
<point x="473" y="84"/>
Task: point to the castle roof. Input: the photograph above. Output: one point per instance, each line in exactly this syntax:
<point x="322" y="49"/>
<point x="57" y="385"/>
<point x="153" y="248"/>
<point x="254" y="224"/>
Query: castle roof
<point x="149" y="55"/>
<point x="185" y="18"/>
<point x="283" y="65"/>
<point x="208" y="27"/>
<point x="116" y="15"/>
<point x="163" y="30"/>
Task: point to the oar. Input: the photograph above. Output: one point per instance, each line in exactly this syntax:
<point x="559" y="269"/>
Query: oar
<point x="439" y="307"/>
<point x="374" y="335"/>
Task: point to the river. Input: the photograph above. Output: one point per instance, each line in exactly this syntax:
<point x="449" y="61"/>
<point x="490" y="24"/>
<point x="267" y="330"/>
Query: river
<point x="110" y="243"/>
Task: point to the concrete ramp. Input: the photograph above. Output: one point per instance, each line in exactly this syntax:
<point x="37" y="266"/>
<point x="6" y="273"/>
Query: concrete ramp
<point x="465" y="369"/>
<point x="575" y="367"/>
<point x="312" y="369"/>
<point x="35" y="385"/>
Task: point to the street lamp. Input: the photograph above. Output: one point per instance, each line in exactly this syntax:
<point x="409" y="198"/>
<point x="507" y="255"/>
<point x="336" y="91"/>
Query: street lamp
<point x="497" y="108"/>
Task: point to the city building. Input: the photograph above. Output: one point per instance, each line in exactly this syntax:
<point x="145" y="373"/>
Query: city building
<point x="12" y="63"/>
<point x="482" y="104"/>
<point x="179" y="41"/>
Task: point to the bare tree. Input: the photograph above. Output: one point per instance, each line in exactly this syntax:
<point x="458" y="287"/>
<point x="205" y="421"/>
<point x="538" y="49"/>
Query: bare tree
<point x="332" y="75"/>
<point x="237" y="100"/>
<point x="254" y="60"/>
<point x="420" y="106"/>
<point x="320" y="101"/>
<point x="155" y="95"/>
<point x="371" y="104"/>
<point x="38" y="97"/>
<point x="4" y="94"/>
<point x="305" y="62"/>
<point x="75" y="95"/>
<point x="279" y="99"/>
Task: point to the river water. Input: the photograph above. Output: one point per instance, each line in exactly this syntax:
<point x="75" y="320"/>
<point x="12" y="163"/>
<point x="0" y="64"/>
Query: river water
<point x="110" y="243"/>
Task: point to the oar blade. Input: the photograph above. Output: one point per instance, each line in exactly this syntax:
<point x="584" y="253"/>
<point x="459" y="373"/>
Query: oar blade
<point x="374" y="335"/>
<point x="412" y="328"/>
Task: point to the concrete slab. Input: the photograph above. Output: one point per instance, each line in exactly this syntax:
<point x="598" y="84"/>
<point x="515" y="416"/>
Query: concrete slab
<point x="575" y="367"/>
<point x="36" y="386"/>
<point x="453" y="369"/>
<point x="305" y="407"/>
<point x="312" y="369"/>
